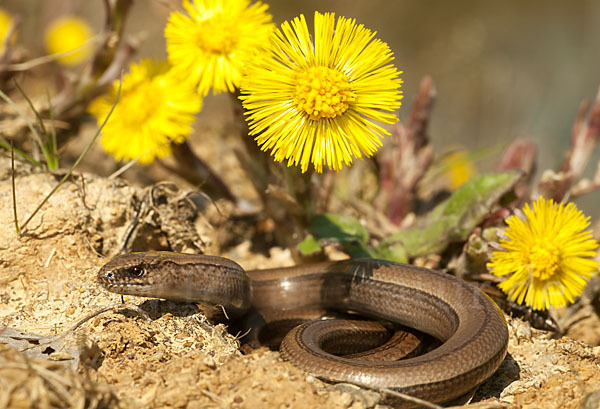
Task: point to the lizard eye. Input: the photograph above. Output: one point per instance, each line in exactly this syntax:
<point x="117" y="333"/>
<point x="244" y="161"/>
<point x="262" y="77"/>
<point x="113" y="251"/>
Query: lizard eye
<point x="137" y="271"/>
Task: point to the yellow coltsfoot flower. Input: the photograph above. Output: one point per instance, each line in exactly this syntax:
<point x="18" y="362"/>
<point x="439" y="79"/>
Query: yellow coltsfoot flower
<point x="318" y="101"/>
<point x="154" y="108"/>
<point x="548" y="255"/>
<point x="67" y="34"/>
<point x="211" y="44"/>
<point x="6" y="25"/>
<point x="459" y="168"/>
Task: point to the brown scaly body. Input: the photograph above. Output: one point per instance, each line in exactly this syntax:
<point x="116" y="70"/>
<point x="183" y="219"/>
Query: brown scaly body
<point x="471" y="327"/>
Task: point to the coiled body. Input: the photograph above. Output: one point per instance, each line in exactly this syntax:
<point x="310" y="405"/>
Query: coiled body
<point x="470" y="326"/>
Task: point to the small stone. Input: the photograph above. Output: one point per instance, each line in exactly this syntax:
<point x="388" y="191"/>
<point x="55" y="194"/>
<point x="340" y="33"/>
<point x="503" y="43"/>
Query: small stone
<point x="591" y="401"/>
<point x="507" y="399"/>
<point x="209" y="361"/>
<point x="60" y="356"/>
<point x="345" y="400"/>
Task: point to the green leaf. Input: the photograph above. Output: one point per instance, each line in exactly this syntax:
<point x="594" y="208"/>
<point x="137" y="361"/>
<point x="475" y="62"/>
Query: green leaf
<point x="454" y="219"/>
<point x="358" y="249"/>
<point x="309" y="245"/>
<point x="342" y="228"/>
<point x="345" y="230"/>
<point x="393" y="252"/>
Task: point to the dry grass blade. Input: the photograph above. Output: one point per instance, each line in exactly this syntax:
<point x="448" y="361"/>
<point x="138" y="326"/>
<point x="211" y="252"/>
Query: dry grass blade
<point x="14" y="106"/>
<point x="14" y="188"/>
<point x="85" y="151"/>
<point x="4" y="144"/>
<point x="45" y="384"/>
<point x="37" y="115"/>
<point x="49" y="154"/>
<point x="213" y="396"/>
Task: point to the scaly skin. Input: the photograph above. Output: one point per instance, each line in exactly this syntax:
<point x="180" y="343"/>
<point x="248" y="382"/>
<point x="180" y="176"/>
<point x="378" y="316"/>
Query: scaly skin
<point x="472" y="328"/>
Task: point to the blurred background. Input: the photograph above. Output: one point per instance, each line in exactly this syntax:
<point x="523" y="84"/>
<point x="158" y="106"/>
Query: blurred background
<point x="503" y="70"/>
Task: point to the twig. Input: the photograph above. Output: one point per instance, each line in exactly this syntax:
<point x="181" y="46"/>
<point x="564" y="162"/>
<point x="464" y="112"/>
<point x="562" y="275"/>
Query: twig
<point x="132" y="162"/>
<point x="126" y="166"/>
<point x="195" y="170"/>
<point x="213" y="396"/>
<point x="49" y="259"/>
<point x="24" y="66"/>
<point x="409" y="398"/>
<point x="481" y="405"/>
<point x="104" y="309"/>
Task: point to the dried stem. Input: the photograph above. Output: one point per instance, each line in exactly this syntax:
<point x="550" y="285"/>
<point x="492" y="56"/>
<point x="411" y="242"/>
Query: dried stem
<point x="403" y="166"/>
<point x="198" y="172"/>
<point x="584" y="138"/>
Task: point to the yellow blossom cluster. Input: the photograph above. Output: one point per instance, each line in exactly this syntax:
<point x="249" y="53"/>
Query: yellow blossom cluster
<point x="547" y="255"/>
<point x="155" y="108"/>
<point x="321" y="99"/>
<point x="317" y="99"/>
<point x="322" y="93"/>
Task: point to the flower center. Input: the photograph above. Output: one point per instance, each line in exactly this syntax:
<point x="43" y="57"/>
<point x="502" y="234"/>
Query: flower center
<point x="322" y="92"/>
<point x="544" y="259"/>
<point x="142" y="103"/>
<point x="215" y="35"/>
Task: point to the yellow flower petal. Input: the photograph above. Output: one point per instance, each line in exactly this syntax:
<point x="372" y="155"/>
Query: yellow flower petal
<point x="6" y="22"/>
<point x="319" y="101"/>
<point x="66" y="34"/>
<point x="547" y="255"/>
<point x="155" y="107"/>
<point x="212" y="42"/>
<point x="459" y="168"/>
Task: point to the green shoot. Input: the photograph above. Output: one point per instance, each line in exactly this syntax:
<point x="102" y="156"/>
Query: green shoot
<point x="34" y="132"/>
<point x="4" y="144"/>
<point x="53" y="146"/>
<point x="46" y="146"/>
<point x="85" y="151"/>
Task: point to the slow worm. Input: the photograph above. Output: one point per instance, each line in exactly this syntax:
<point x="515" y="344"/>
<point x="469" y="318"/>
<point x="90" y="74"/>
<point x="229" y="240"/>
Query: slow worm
<point x="471" y="327"/>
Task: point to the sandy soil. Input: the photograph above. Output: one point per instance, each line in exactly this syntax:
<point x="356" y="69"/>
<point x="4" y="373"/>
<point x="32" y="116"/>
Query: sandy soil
<point x="177" y="358"/>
